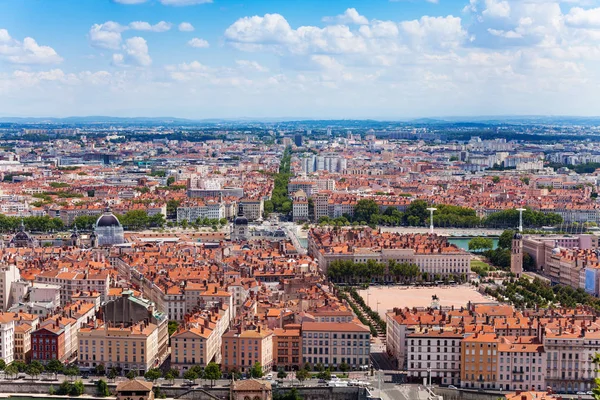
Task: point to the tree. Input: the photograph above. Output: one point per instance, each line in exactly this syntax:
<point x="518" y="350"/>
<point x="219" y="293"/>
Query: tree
<point x="76" y="389"/>
<point x="212" y="372"/>
<point x="112" y="374"/>
<point x="55" y="367"/>
<point x="302" y="374"/>
<point x="325" y="374"/>
<point x="85" y="221"/>
<point x="190" y="375"/>
<point x="11" y="370"/>
<point x="153" y="374"/>
<point x="174" y="372"/>
<point x="525" y="180"/>
<point x="281" y="374"/>
<point x="480" y="244"/>
<point x="102" y="388"/>
<point x="256" y="370"/>
<point x="291" y="394"/>
<point x="170" y="180"/>
<point x="495" y="179"/>
<point x="33" y="370"/>
<point x="365" y="209"/>
<point x="505" y="241"/>
<point x="169" y="377"/>
<point x="416" y="212"/>
<point x="72" y="371"/>
<point x="131" y="375"/>
<point x="2" y="365"/>
<point x="344" y="367"/>
<point x="100" y="369"/>
<point x="173" y="325"/>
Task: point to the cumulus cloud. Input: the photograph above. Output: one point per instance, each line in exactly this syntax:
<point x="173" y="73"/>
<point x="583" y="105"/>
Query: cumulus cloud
<point x="161" y="26"/>
<point x="186" y="27"/>
<point x="27" y="51"/>
<point x="198" y="43"/>
<point x="350" y="16"/>
<point x="108" y="35"/>
<point x="135" y="52"/>
<point x="251" y="65"/>
<point x="579" y="17"/>
<point x="496" y="9"/>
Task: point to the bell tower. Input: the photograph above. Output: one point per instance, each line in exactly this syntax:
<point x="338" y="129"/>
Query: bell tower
<point x="516" y="255"/>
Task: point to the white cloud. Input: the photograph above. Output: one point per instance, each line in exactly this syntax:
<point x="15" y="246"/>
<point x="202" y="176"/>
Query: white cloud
<point x="135" y="52"/>
<point x="579" y="17"/>
<point x="198" y="43"/>
<point x="350" y="16"/>
<point x="496" y="9"/>
<point x="186" y="27"/>
<point x="505" y="34"/>
<point x="184" y="2"/>
<point x="251" y="65"/>
<point x="161" y="26"/>
<point x="26" y="52"/>
<point x="106" y="35"/>
<point x="435" y="32"/>
<point x="109" y="34"/>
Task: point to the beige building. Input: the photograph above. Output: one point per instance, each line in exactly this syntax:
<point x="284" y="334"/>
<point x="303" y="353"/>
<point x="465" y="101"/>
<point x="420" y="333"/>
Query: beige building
<point x="333" y="343"/>
<point x="253" y="209"/>
<point x="251" y="389"/>
<point x="241" y="350"/>
<point x="198" y="341"/>
<point x="134" y="348"/>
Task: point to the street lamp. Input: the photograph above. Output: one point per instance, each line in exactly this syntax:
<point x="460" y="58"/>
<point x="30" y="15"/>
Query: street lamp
<point x="520" y="210"/>
<point x="431" y="210"/>
<point x="378" y="307"/>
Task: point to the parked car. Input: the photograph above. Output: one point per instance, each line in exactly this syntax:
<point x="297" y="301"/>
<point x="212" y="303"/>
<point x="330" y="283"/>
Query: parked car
<point x="452" y="387"/>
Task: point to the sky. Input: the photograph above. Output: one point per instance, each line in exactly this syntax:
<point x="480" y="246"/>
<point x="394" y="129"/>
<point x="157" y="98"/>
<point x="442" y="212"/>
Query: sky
<point x="381" y="59"/>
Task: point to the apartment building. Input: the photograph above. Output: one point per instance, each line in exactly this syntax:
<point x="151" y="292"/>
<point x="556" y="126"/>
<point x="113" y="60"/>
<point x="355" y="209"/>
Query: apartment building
<point x="132" y="348"/>
<point x="72" y="282"/>
<point x="7" y="337"/>
<point x="198" y="341"/>
<point x="570" y="351"/>
<point x="332" y="343"/>
<point x="23" y="343"/>
<point x="287" y="348"/>
<point x="209" y="209"/>
<point x="435" y="353"/>
<point x="242" y="349"/>
<point x="433" y="254"/>
<point x="479" y="357"/>
<point x="48" y="343"/>
<point x="9" y="275"/>
<point x="521" y="364"/>
<point x="253" y="208"/>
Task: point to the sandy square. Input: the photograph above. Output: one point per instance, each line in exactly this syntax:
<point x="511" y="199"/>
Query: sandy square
<point x="410" y="296"/>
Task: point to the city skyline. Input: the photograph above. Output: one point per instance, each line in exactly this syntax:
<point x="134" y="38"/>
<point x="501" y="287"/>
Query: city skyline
<point x="383" y="59"/>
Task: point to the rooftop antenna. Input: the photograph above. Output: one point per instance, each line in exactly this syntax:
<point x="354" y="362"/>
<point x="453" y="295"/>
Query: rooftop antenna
<point x="520" y="210"/>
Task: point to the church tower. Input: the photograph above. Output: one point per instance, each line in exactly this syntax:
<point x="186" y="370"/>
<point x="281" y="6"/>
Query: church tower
<point x="516" y="255"/>
<point x="239" y="230"/>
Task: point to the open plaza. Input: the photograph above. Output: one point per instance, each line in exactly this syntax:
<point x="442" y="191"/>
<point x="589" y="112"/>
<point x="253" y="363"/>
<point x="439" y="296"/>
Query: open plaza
<point x="383" y="298"/>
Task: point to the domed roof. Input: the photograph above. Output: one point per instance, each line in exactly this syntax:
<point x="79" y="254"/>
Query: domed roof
<point x="21" y="235"/>
<point x="107" y="219"/>
<point x="241" y="220"/>
<point x="518" y="236"/>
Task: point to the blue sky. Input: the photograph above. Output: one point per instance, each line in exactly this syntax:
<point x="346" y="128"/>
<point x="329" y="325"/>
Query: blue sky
<point x="299" y="58"/>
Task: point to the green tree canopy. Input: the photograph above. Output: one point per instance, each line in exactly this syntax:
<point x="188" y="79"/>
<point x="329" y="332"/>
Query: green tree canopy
<point x="480" y="244"/>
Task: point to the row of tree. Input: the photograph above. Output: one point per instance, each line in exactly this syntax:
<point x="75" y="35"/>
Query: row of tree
<point x="368" y="212"/>
<point x="348" y="271"/>
<point x="280" y="201"/>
